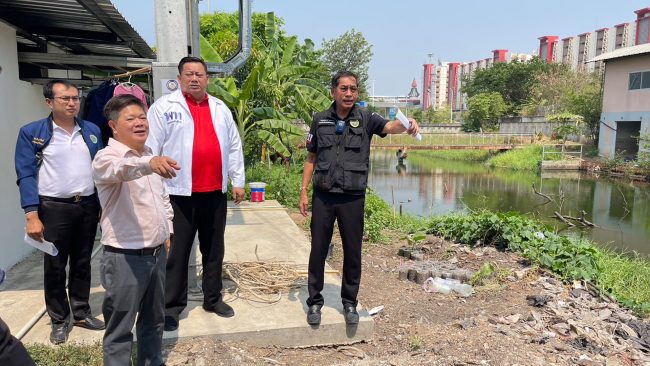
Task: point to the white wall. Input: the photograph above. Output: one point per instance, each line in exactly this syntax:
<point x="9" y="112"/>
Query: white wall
<point x="20" y="102"/>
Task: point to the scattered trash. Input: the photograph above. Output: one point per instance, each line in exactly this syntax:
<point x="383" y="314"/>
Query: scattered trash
<point x="522" y="273"/>
<point x="351" y="351"/>
<point x="577" y="319"/>
<point x="446" y="285"/>
<point x="466" y="323"/>
<point x="376" y="310"/>
<point x="418" y="272"/>
<point x="537" y="300"/>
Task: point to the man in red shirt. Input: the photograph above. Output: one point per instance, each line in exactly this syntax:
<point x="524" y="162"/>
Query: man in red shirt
<point x="198" y="131"/>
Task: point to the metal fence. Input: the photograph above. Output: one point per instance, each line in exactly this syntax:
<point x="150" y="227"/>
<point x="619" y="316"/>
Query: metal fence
<point x="566" y="151"/>
<point x="457" y="139"/>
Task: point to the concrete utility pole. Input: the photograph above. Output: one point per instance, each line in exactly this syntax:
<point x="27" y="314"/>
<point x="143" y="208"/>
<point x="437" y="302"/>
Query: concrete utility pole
<point x="173" y="30"/>
<point x="178" y="35"/>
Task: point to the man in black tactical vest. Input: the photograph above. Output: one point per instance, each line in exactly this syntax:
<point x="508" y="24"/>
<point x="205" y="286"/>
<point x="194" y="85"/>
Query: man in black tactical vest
<point x="339" y="149"/>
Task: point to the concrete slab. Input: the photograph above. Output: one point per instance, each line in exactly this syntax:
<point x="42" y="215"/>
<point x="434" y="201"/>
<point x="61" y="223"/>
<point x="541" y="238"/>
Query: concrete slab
<point x="255" y="231"/>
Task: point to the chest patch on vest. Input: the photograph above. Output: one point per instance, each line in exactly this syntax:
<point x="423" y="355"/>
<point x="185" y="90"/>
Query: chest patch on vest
<point x="326" y="122"/>
<point x="354" y="123"/>
<point x="38" y="141"/>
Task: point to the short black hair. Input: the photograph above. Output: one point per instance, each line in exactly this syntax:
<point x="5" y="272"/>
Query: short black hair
<point x="187" y="59"/>
<point x="115" y="105"/>
<point x="343" y="74"/>
<point x="47" y="88"/>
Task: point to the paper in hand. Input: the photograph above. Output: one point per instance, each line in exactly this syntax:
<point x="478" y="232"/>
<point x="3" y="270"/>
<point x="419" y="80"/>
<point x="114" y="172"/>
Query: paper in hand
<point x="406" y="123"/>
<point x="46" y="246"/>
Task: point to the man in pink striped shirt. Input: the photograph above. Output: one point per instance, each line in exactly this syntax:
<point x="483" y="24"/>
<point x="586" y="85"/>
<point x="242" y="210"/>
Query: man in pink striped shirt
<point x="136" y="228"/>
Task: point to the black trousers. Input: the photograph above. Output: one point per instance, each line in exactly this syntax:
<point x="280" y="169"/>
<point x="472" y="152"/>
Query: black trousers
<point x="12" y="352"/>
<point x="71" y="227"/>
<point x="205" y="213"/>
<point x="347" y="210"/>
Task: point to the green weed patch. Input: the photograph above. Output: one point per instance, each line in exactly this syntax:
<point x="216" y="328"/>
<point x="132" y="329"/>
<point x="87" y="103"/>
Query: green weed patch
<point x="622" y="276"/>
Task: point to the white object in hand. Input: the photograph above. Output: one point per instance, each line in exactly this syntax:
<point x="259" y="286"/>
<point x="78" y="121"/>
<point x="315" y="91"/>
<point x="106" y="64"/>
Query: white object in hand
<point x="406" y="123"/>
<point x="46" y="246"/>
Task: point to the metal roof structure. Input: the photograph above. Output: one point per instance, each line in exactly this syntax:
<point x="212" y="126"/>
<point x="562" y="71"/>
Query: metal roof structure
<point x="73" y="35"/>
<point x="623" y="52"/>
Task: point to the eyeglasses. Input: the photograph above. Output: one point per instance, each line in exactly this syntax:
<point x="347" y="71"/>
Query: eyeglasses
<point x="345" y="88"/>
<point x="67" y="99"/>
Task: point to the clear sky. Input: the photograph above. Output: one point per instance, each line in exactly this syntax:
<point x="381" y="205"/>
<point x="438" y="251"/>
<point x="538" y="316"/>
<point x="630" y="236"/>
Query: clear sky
<point x="404" y="32"/>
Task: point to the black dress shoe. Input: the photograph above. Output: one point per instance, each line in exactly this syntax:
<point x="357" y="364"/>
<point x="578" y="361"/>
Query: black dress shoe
<point x="351" y="315"/>
<point x="90" y="322"/>
<point x="220" y="308"/>
<point x="171" y="323"/>
<point x="59" y="333"/>
<point x="313" y="315"/>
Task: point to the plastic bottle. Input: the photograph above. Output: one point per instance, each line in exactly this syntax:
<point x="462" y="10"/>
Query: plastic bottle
<point x="446" y="285"/>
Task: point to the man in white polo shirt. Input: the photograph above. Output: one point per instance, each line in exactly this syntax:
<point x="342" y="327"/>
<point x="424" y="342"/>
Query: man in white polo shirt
<point x="53" y="166"/>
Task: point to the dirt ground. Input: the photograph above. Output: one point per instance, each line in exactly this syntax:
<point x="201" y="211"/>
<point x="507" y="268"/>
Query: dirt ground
<point x="420" y="328"/>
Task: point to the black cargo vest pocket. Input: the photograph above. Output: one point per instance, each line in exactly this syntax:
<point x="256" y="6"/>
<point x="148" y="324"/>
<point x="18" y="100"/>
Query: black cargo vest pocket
<point x="325" y="136"/>
<point x="355" y="176"/>
<point x="354" y="138"/>
<point x="323" y="176"/>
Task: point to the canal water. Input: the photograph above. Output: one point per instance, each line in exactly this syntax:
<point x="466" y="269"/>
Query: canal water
<point x="424" y="187"/>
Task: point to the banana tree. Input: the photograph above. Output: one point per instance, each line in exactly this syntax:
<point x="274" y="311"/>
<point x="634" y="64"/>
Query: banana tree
<point x="276" y="91"/>
<point x="265" y="125"/>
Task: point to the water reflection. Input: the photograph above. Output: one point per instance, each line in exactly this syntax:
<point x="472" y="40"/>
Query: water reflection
<point x="434" y="187"/>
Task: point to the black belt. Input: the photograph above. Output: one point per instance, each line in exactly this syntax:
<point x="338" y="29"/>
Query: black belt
<point x="140" y="252"/>
<point x="73" y="199"/>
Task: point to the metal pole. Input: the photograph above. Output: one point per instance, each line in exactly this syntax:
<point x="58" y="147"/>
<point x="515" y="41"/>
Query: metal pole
<point x="194" y="28"/>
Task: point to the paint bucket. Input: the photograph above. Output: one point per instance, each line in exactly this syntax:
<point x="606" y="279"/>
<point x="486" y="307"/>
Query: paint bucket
<point x="257" y="191"/>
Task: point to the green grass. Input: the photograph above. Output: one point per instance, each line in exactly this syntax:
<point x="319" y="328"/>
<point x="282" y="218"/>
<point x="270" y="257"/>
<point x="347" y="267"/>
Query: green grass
<point x="626" y="277"/>
<point x="462" y="155"/>
<point x="66" y="355"/>
<point x="456" y="139"/>
<point x="623" y="276"/>
<point x="283" y="182"/>
<point x="525" y="158"/>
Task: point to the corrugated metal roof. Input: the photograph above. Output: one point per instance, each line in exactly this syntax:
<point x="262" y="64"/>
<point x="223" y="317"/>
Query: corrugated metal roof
<point x="77" y="27"/>
<point x="623" y="52"/>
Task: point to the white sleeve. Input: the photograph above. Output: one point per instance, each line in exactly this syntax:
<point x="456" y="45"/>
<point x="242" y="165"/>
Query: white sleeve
<point x="157" y="131"/>
<point x="236" y="169"/>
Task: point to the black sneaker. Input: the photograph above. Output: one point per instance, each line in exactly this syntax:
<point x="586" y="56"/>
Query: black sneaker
<point x="313" y="315"/>
<point x="171" y="323"/>
<point x="351" y="315"/>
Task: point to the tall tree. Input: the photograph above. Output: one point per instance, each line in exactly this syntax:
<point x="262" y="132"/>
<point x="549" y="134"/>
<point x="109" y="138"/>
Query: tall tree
<point x="349" y="51"/>
<point x="562" y="90"/>
<point x="484" y="110"/>
<point x="285" y="83"/>
<point x="513" y="80"/>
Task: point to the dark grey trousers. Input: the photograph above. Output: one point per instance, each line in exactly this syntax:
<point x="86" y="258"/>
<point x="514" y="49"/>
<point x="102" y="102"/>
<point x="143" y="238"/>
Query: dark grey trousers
<point x="135" y="288"/>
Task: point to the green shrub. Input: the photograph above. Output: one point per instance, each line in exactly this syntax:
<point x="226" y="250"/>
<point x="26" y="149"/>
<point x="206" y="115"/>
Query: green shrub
<point x="282" y="182"/>
<point x="526" y="158"/>
<point x="466" y="155"/>
<point x="623" y="276"/>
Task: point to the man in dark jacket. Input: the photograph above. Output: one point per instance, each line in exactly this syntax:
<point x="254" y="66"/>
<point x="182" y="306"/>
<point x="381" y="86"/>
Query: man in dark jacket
<point x="339" y="150"/>
<point x="53" y="166"/>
